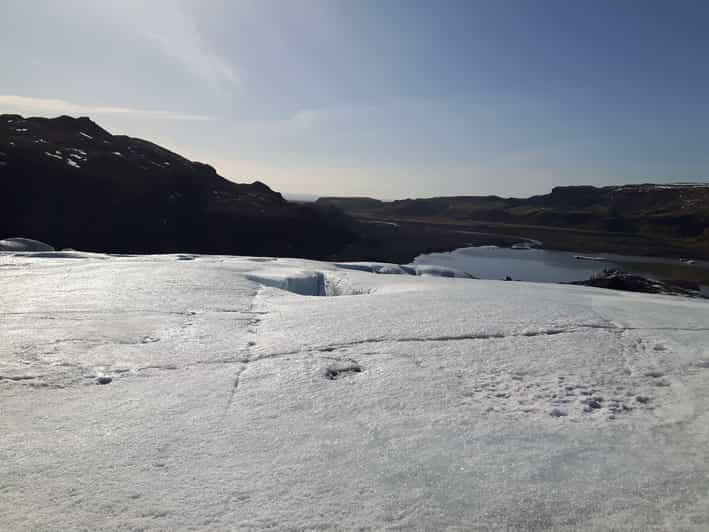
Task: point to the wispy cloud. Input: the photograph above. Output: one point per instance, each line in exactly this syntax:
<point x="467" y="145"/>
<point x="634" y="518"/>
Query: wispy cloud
<point x="45" y="106"/>
<point x="295" y="123"/>
<point x="169" y="26"/>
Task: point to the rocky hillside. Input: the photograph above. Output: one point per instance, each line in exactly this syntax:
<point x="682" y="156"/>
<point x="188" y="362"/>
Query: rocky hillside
<point x="71" y="183"/>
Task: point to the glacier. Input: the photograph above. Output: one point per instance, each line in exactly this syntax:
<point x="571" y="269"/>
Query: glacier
<point x="184" y="392"/>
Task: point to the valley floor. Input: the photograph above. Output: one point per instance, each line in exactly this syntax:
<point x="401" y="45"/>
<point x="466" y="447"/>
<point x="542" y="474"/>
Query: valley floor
<point x="401" y="239"/>
<point x="253" y="393"/>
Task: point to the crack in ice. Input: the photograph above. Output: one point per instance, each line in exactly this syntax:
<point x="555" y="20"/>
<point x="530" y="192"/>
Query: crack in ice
<point x="461" y="337"/>
<point x="234" y="387"/>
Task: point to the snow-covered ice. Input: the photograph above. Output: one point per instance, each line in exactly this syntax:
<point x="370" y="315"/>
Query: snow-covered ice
<point x="23" y="244"/>
<point x="375" y="267"/>
<point x="404" y="269"/>
<point x="204" y="392"/>
<point x="438" y="271"/>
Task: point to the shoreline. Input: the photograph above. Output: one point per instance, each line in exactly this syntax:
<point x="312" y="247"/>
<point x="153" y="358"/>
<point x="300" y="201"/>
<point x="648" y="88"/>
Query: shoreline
<point x="400" y="241"/>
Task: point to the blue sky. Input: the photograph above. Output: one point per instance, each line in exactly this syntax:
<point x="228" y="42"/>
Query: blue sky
<point x="381" y="98"/>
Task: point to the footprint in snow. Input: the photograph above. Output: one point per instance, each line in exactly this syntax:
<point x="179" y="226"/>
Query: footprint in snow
<point x="654" y="374"/>
<point x="341" y="369"/>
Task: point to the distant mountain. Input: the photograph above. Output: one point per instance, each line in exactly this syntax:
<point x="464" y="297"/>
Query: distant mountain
<point x="71" y="183"/>
<point x="643" y="219"/>
<point x="677" y="209"/>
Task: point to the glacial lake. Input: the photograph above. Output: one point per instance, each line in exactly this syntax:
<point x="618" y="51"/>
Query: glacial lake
<point x="548" y="266"/>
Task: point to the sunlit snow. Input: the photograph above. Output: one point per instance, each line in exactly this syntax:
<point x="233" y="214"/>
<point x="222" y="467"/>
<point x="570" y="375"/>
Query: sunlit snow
<point x="219" y="393"/>
<point x="23" y="245"/>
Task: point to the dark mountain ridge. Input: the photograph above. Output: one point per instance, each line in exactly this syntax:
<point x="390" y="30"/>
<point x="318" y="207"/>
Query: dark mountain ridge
<point x="641" y="219"/>
<point x="71" y="183"/>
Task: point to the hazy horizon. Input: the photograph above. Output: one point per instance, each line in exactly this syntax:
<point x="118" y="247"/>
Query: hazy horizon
<point x="382" y="99"/>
